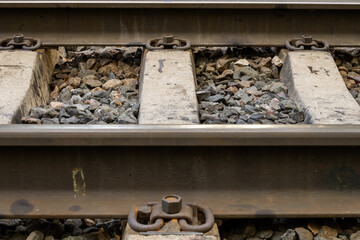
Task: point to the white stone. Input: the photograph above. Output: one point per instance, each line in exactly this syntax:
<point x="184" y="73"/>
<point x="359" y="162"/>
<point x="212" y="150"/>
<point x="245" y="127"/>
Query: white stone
<point x="167" y="86"/>
<point x="277" y="61"/>
<point x="316" y="86"/>
<point x="24" y="79"/>
<point x="242" y="62"/>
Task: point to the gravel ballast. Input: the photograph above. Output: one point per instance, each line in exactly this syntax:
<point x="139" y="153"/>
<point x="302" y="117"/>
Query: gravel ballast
<point x="242" y="86"/>
<point x="231" y="229"/>
<point x="348" y="62"/>
<point x="92" y="86"/>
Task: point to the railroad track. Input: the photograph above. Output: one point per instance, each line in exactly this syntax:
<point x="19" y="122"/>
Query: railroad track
<point x="244" y="140"/>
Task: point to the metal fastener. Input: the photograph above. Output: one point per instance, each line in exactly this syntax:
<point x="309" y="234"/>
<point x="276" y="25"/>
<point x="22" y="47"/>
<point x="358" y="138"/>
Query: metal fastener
<point x="171" y="204"/>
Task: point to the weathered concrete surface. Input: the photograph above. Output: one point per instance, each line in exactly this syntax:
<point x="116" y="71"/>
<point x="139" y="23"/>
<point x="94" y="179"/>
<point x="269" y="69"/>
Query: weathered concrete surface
<point x="130" y="234"/>
<point x="167" y="88"/>
<point x="24" y="79"/>
<point x="317" y="87"/>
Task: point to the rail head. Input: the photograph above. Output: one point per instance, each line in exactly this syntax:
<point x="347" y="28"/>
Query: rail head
<point x="179" y="135"/>
<point x="240" y="4"/>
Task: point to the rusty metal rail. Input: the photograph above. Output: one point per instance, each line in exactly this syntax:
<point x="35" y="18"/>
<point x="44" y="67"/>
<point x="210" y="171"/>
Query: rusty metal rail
<point x="245" y="171"/>
<point x="241" y="4"/>
<point x="204" y="26"/>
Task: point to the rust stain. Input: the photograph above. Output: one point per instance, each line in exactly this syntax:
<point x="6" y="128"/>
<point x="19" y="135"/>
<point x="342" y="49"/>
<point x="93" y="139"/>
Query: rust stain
<point x="21" y="206"/>
<point x="79" y="182"/>
<point x="74" y="208"/>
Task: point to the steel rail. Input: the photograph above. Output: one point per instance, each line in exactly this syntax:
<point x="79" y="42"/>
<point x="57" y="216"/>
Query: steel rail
<point x="179" y="135"/>
<point x="241" y="181"/>
<point x="241" y="4"/>
<point x="206" y="27"/>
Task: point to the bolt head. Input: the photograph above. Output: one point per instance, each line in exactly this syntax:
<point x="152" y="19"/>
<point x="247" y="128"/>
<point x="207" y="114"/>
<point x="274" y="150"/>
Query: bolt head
<point x="307" y="38"/>
<point x="171" y="204"/>
<point x="18" y="38"/>
<point x="168" y="38"/>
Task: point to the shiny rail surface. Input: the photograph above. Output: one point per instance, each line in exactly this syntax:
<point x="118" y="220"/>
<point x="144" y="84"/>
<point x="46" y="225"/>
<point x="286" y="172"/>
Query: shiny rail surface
<point x="289" y="4"/>
<point x="179" y="135"/>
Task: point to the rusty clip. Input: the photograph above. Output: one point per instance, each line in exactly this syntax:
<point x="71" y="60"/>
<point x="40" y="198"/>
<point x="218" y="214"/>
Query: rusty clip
<point x="306" y="42"/>
<point x="168" y="42"/>
<point x="18" y="41"/>
<point x="170" y="208"/>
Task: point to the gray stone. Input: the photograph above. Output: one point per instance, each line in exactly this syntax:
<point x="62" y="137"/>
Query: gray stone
<point x="126" y="119"/>
<point x="100" y="94"/>
<point x="37" y="112"/>
<point x="327" y="232"/>
<point x="35" y="235"/>
<point x="278" y="87"/>
<point x="240" y="121"/>
<point x="277" y="235"/>
<point x="202" y="94"/>
<point x="222" y="64"/>
<point x="76" y="99"/>
<point x="50" y="121"/>
<point x="236" y="75"/>
<point x="94" y="105"/>
<point x="30" y="120"/>
<point x="277" y="61"/>
<point x="343" y="237"/>
<point x="249" y="231"/>
<point x="290" y="234"/>
<point x="355" y="236"/>
<point x="287" y="104"/>
<point x="64" y="95"/>
<point x="297" y="116"/>
<point x="265" y="234"/>
<point x="93" y="83"/>
<point x="304" y="234"/>
<point x="248" y="71"/>
<point x="210" y="117"/>
<point x="216" y="98"/>
<point x="71" y="120"/>
<point x="85" y="73"/>
<point x="51" y="113"/>
<point x="113" y="83"/>
<point x="9" y="223"/>
<point x="72" y="110"/>
<point x="74" y="82"/>
<point x="78" y="91"/>
<point x="256" y="116"/>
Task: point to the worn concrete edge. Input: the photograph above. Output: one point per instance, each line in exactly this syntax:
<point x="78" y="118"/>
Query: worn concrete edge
<point x="180" y="135"/>
<point x="41" y="71"/>
<point x="296" y="93"/>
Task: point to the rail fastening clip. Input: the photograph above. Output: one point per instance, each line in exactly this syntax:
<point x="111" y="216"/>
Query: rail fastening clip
<point x="306" y="42"/>
<point x="19" y="41"/>
<point x="171" y="207"/>
<point x="168" y="42"/>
